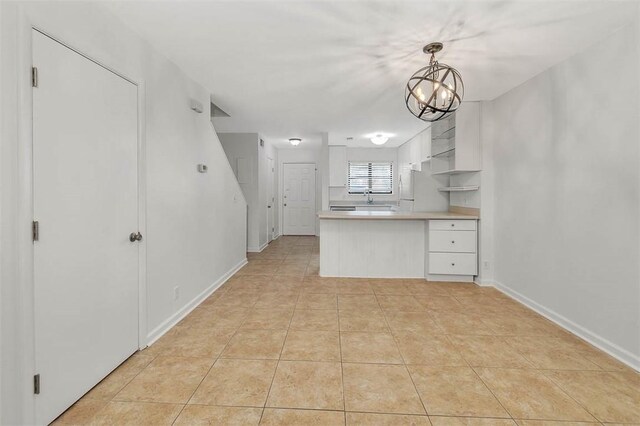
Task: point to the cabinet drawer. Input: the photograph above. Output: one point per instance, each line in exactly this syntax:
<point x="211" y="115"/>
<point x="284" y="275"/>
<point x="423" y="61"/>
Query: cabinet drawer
<point x="452" y="225"/>
<point x="453" y="263"/>
<point x="453" y="241"/>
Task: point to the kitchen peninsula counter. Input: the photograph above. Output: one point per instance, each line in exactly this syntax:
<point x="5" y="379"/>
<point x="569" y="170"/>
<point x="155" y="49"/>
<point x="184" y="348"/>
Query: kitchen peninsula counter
<point x="391" y="215"/>
<point x="439" y="246"/>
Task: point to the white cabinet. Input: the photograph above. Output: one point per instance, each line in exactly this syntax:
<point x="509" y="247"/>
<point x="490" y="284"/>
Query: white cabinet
<point x="404" y="161"/>
<point x="453" y="225"/>
<point x="416" y="150"/>
<point x="452" y="241"/>
<point x="338" y="166"/>
<point x="404" y="154"/>
<point x="425" y="145"/>
<point x="468" y="137"/>
<point x="453" y="248"/>
<point x="452" y="263"/>
<point x="455" y="141"/>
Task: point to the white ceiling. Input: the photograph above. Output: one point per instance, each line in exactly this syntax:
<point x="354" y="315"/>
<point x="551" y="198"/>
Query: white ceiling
<point x="293" y="68"/>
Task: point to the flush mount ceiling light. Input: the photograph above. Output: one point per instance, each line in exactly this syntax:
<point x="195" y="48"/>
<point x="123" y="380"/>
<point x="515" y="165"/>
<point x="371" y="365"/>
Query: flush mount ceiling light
<point x="435" y="91"/>
<point x="379" y="139"/>
<point x="295" y="141"/>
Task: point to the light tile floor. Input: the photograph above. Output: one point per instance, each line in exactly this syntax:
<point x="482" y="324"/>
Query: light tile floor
<point x="279" y="345"/>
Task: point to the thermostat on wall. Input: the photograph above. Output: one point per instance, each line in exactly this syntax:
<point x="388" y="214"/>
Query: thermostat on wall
<point x="202" y="168"/>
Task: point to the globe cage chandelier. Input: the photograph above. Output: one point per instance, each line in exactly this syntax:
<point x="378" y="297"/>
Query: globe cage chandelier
<point x="435" y="91"/>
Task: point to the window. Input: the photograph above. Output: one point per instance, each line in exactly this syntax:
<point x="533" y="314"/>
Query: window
<point x="374" y="177"/>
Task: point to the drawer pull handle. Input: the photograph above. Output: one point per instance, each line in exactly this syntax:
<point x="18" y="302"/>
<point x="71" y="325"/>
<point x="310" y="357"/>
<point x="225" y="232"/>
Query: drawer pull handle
<point x="453" y="242"/>
<point x="453" y="224"/>
<point x="453" y="264"/>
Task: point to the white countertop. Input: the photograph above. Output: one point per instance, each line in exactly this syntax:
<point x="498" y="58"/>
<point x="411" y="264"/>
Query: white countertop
<point x="388" y="215"/>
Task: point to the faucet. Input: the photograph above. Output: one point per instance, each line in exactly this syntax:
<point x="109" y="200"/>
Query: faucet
<point x="367" y="192"/>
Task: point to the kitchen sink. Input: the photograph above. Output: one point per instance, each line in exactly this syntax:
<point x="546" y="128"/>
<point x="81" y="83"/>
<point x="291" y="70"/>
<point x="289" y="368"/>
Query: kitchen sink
<point x="365" y="208"/>
<point x="374" y="208"/>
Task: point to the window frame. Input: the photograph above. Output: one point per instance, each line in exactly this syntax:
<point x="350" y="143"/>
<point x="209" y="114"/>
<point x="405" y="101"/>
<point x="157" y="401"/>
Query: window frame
<point x="370" y="164"/>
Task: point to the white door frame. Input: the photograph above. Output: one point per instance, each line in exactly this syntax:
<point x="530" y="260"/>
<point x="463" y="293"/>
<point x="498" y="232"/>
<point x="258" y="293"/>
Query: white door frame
<point x="281" y="192"/>
<point x="271" y="190"/>
<point x="25" y="213"/>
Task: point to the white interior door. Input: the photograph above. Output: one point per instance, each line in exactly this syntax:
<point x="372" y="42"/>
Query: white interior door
<point x="271" y="197"/>
<point x="299" y="199"/>
<point x="85" y="199"/>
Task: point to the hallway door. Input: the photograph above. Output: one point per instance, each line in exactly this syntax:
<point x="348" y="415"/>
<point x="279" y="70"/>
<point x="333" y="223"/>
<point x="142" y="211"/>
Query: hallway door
<point x="299" y="199"/>
<point x="85" y="201"/>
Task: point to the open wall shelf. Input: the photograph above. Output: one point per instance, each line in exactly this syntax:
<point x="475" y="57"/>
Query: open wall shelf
<point x="453" y="172"/>
<point x="459" y="188"/>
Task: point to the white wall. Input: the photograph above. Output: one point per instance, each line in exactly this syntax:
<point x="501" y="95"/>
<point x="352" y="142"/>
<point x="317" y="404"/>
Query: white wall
<point x="245" y="145"/>
<point x="296" y="155"/>
<point x="324" y="160"/>
<point x="369" y="154"/>
<point x="425" y="191"/>
<point x="195" y="230"/>
<point x="264" y="153"/>
<point x="470" y="199"/>
<point x="486" y="235"/>
<point x="566" y="148"/>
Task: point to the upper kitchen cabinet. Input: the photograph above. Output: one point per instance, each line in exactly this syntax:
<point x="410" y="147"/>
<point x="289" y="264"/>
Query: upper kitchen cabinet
<point x="416" y="150"/>
<point x="425" y="145"/>
<point x="404" y="154"/>
<point x="338" y="166"/>
<point x="414" y="153"/>
<point x="455" y="141"/>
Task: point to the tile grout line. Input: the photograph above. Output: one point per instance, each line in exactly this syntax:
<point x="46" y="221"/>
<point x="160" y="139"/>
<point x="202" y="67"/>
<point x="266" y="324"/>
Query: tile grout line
<point x="344" y="398"/>
<point x="207" y="373"/>
<point x="563" y="390"/>
<point x="492" y="393"/>
<point x="275" y="371"/>
<point x="429" y="312"/>
<point x="404" y="364"/>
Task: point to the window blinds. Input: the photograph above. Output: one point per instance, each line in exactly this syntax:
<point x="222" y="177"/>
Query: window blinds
<point x="368" y="176"/>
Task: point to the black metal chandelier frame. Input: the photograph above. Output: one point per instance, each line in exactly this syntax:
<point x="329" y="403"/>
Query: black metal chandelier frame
<point x="431" y="75"/>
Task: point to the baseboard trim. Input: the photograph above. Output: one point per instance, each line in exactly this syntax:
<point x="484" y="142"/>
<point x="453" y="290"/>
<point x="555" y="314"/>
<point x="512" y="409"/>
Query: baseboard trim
<point x="174" y="319"/>
<point x="485" y="283"/>
<point x="450" y="278"/>
<point x="257" y="249"/>
<point x="599" y="342"/>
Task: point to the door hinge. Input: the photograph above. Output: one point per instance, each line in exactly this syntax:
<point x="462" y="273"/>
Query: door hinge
<point x="36" y="384"/>
<point x="34" y="77"/>
<point x="35" y="230"/>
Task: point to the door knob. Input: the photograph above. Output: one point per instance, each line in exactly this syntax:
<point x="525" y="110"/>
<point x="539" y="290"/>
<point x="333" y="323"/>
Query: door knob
<point x="135" y="236"/>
